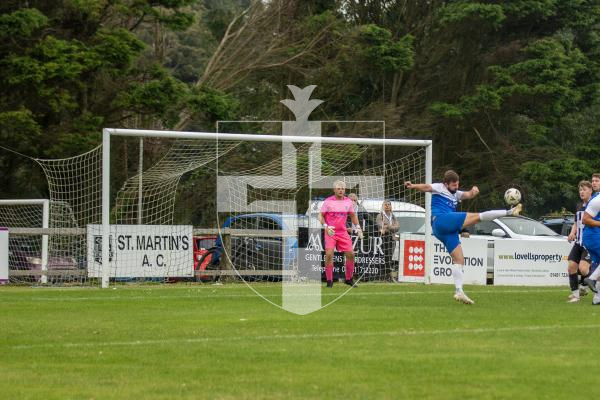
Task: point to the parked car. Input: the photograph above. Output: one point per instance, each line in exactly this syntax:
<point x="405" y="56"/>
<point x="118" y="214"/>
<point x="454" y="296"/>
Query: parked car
<point x="25" y="254"/>
<point x="255" y="252"/>
<point x="202" y="244"/>
<point x="559" y="225"/>
<point x="513" y="228"/>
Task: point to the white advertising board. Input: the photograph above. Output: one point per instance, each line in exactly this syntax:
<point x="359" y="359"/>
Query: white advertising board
<point x="531" y="263"/>
<point x="143" y="251"/>
<point x="475" y="268"/>
<point x="412" y="261"/>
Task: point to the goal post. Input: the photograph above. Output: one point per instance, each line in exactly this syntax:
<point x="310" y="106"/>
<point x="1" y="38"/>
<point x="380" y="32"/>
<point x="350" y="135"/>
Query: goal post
<point x="109" y="133"/>
<point x="428" y="233"/>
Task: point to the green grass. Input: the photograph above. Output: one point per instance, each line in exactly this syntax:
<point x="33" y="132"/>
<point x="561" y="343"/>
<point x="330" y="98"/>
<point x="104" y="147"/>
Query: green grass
<point x="224" y="342"/>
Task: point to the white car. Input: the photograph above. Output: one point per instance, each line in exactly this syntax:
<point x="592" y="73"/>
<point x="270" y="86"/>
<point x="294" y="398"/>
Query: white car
<point x="513" y="228"/>
<point x="411" y="217"/>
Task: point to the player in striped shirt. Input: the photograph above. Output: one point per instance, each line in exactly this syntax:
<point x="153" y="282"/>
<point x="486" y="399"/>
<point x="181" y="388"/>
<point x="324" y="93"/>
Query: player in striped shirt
<point x="579" y="260"/>
<point x="447" y="223"/>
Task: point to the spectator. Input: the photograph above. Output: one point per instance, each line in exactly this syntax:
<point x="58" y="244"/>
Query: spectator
<point x="388" y="226"/>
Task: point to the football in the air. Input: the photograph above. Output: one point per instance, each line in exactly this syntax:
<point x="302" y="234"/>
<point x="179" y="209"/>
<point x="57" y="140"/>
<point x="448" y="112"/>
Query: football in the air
<point x="512" y="196"/>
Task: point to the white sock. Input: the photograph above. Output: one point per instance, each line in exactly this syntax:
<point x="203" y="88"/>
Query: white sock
<point x="575" y="293"/>
<point x="594" y="275"/>
<point x="493" y="214"/>
<point x="457" y="274"/>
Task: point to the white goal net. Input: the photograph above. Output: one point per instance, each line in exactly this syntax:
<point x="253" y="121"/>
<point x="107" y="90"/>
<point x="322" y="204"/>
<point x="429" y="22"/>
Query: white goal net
<point x="185" y="206"/>
<point x="257" y="197"/>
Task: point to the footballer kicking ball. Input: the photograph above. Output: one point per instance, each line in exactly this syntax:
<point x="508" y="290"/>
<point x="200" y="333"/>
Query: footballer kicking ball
<point x="512" y="196"/>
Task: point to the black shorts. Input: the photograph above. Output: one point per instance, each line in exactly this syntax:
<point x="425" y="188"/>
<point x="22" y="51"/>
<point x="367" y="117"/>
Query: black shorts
<point x="578" y="253"/>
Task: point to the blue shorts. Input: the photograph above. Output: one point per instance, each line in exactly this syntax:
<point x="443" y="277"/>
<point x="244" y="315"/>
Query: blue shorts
<point x="447" y="227"/>
<point x="592" y="245"/>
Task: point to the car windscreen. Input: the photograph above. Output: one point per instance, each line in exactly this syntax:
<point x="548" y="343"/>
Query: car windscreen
<point x="205" y="243"/>
<point x="527" y="227"/>
<point x="411" y="224"/>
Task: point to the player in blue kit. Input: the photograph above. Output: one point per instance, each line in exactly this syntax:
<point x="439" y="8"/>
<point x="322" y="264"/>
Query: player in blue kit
<point x="579" y="259"/>
<point x="447" y="223"/>
<point x="591" y="280"/>
<point x="591" y="234"/>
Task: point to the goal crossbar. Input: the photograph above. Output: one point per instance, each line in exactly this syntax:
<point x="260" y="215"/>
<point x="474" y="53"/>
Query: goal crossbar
<point x="47" y="231"/>
<point x="264" y="138"/>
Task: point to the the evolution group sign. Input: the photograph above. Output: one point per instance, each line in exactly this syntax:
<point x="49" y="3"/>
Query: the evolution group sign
<point x="143" y="251"/>
<point x="412" y="261"/>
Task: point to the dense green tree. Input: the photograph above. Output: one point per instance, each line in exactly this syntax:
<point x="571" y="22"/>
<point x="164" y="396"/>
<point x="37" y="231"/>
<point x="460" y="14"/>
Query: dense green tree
<point x="507" y="90"/>
<point x="537" y="79"/>
<point x="70" y="68"/>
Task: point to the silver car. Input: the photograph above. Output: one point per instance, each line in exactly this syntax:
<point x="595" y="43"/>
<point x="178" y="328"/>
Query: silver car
<point x="513" y="228"/>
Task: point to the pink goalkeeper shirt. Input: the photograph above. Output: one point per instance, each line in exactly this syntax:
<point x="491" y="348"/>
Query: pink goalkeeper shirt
<point x="335" y="212"/>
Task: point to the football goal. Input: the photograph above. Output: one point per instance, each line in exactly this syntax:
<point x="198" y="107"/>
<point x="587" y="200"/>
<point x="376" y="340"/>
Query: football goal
<point x="261" y="194"/>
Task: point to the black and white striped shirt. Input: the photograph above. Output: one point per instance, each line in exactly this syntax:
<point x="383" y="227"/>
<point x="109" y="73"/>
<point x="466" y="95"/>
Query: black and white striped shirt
<point x="579" y="223"/>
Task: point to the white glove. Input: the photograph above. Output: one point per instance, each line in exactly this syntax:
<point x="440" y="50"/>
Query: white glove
<point x="329" y="229"/>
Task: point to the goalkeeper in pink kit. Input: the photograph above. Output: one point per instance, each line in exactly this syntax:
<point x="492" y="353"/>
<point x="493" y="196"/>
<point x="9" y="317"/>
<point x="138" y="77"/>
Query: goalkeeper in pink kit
<point x="334" y="214"/>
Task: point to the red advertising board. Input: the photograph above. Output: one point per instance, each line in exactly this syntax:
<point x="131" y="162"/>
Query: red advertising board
<point x="414" y="258"/>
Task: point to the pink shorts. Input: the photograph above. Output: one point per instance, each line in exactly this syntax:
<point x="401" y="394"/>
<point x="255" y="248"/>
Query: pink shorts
<point x="341" y="242"/>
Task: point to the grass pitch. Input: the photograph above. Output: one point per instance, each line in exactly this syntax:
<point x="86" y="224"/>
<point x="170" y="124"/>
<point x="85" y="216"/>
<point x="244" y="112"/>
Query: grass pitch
<point x="224" y="342"/>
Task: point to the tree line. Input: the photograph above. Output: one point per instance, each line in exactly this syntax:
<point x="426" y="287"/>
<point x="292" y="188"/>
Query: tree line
<point x="507" y="90"/>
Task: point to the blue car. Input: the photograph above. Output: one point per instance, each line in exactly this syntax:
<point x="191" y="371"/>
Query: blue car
<point x="252" y="251"/>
